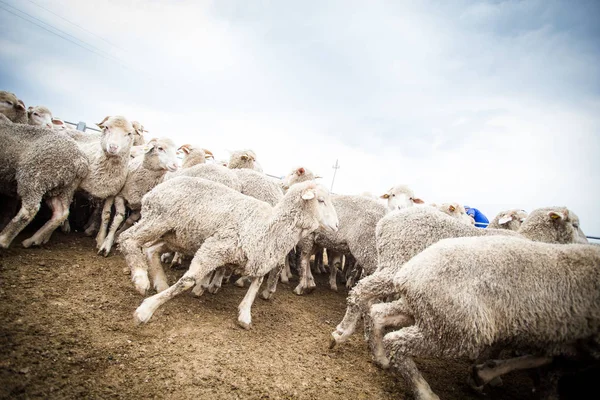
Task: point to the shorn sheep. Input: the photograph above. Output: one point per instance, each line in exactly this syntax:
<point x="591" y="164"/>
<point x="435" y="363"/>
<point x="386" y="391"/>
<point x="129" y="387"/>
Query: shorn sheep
<point x="221" y="226"/>
<point x="403" y="234"/>
<point x="462" y="296"/>
<point x="37" y="163"/>
<point x="144" y="173"/>
<point x="509" y="219"/>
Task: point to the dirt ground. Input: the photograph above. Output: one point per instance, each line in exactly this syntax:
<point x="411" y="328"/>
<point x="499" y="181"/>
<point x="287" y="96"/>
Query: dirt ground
<point x="66" y="331"/>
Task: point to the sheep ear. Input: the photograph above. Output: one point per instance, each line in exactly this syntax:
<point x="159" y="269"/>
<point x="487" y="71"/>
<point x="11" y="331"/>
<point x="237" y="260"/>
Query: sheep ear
<point x="208" y="154"/>
<point x="451" y="208"/>
<point x="384" y="196"/>
<point x="308" y="194"/>
<point x="245" y="157"/>
<point x="20" y="105"/>
<point x="419" y="201"/>
<point x="505" y="219"/>
<point x="300" y="171"/>
<point x="101" y="124"/>
<point x="57" y="121"/>
<point x="554" y="215"/>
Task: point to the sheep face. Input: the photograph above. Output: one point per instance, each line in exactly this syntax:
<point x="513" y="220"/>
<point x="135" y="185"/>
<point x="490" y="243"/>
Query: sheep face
<point x="455" y="210"/>
<point x="319" y="207"/>
<point x="242" y="159"/>
<point x="39" y="116"/>
<point x="161" y="154"/>
<point x="512" y="219"/>
<point x="10" y="105"/>
<point x="117" y="135"/>
<point x="400" y="197"/>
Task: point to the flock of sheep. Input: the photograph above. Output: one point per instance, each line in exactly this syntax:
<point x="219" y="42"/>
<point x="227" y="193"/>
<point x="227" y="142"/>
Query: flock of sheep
<point x="425" y="281"/>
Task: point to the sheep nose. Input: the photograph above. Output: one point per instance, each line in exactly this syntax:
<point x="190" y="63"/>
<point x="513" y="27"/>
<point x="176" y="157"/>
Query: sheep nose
<point x="113" y="148"/>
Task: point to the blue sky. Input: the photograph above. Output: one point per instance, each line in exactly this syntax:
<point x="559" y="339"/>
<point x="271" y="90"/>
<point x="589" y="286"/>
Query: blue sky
<point x="493" y="104"/>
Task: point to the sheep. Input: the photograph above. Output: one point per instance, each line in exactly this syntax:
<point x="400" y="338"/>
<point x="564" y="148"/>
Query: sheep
<point x="403" y="234"/>
<point x="460" y="308"/>
<point x="221" y="226"/>
<point x="108" y="154"/>
<point x="509" y="219"/>
<point x="297" y="175"/>
<point x="36" y="163"/>
<point x="400" y="196"/>
<point x="358" y="218"/>
<point x="243" y="159"/>
<point x="12" y="108"/>
<point x="144" y="173"/>
<point x="455" y="210"/>
<point x="138" y="137"/>
<point x="40" y="116"/>
<point x="193" y="155"/>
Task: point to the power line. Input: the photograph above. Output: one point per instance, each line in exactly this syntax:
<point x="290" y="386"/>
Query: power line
<point x="74" y="24"/>
<point x="105" y="56"/>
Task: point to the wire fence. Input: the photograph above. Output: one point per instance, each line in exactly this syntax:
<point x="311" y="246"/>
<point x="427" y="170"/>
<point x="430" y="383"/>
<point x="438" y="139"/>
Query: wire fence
<point x="82" y="126"/>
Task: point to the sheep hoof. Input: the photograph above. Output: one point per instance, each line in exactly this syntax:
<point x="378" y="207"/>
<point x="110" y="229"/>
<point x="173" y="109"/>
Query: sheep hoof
<point x="266" y="295"/>
<point x="334" y="288"/>
<point x="89" y="232"/>
<point x="299" y="290"/>
<point x="496" y="382"/>
<point x="213" y="289"/>
<point x="332" y="342"/>
<point x="65" y="227"/>
<point x="198" y="290"/>
<point x="141" y="316"/>
<point x="141" y="282"/>
<point x="246" y="325"/>
<point x="29" y="242"/>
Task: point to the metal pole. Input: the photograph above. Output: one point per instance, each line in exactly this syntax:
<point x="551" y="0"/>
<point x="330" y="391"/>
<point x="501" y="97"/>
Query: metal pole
<point x="335" y="168"/>
<point x="81" y="126"/>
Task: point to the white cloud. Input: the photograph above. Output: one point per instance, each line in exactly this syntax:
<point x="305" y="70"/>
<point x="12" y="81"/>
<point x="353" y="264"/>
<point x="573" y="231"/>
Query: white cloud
<point x="493" y="104"/>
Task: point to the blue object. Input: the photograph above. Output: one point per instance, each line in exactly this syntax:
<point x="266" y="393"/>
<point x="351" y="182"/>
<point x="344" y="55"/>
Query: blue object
<point x="481" y="220"/>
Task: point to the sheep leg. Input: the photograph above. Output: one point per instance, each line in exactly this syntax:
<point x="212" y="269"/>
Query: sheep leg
<point x="208" y="258"/>
<point x="131" y="246"/>
<point x="65" y="227"/>
<point x="30" y="205"/>
<point x="267" y="293"/>
<point x="304" y="269"/>
<point x="155" y="269"/>
<point x="335" y="262"/>
<point x="484" y="373"/>
<point x="92" y="224"/>
<point x="402" y="345"/>
<point x="384" y="315"/>
<point x="216" y="281"/>
<point x="202" y="285"/>
<point x="369" y="290"/>
<point x="319" y="266"/>
<point x="177" y="260"/>
<point x="244" y="317"/>
<point x="354" y="275"/>
<point x="118" y="218"/>
<point x="106" y="210"/>
<point x="287" y="268"/>
<point x="60" y="212"/>
<point x="132" y="219"/>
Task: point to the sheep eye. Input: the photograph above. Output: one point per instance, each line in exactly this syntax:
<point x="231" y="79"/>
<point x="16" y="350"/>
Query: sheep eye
<point x="9" y="103"/>
<point x="36" y="114"/>
<point x="393" y="195"/>
<point x="576" y="226"/>
<point x="321" y="201"/>
<point x="161" y="149"/>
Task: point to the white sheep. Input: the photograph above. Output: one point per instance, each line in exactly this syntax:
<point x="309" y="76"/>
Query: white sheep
<point x="36" y="163"/>
<point x="400" y="196"/>
<point x="12" y="108"/>
<point x="538" y="298"/>
<point x="40" y="116"/>
<point x="509" y="219"/>
<point x="144" y="173"/>
<point x="358" y="217"/>
<point x="403" y="234"/>
<point x="243" y="159"/>
<point x="221" y="226"/>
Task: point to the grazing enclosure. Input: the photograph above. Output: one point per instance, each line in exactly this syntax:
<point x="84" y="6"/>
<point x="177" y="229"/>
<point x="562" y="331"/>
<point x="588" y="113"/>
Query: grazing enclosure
<point x="67" y="331"/>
